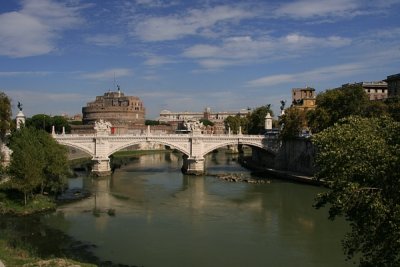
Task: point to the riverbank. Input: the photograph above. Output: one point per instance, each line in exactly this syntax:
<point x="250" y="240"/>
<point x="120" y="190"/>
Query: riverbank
<point x="234" y="177"/>
<point x="248" y="163"/>
<point x="15" y="207"/>
<point x="15" y="256"/>
<point x="14" y="253"/>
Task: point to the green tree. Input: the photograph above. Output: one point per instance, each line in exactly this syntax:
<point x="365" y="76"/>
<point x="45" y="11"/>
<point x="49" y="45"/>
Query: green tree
<point x="335" y="104"/>
<point x="235" y="122"/>
<point x="40" y="122"/>
<point x="257" y="119"/>
<point x="27" y="161"/>
<point x="292" y="123"/>
<point x="37" y="162"/>
<point x="376" y="109"/>
<point x="5" y="115"/>
<point x="393" y="106"/>
<point x="359" y="158"/>
<point x="56" y="164"/>
<point x="206" y="122"/>
<point x="46" y="122"/>
<point x="318" y="119"/>
<point x="151" y="122"/>
<point x="59" y="122"/>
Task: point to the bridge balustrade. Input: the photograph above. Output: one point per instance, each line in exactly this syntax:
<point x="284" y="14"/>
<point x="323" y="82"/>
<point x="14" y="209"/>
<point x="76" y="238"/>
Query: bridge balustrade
<point x="193" y="146"/>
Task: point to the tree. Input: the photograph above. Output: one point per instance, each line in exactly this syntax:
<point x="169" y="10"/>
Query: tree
<point x="206" y="122"/>
<point x="56" y="164"/>
<point x="376" y="109"/>
<point x="27" y="161"/>
<point x="359" y="158"/>
<point x="151" y="122"/>
<point x="235" y="122"/>
<point x="257" y="119"/>
<point x="46" y="122"/>
<point x="37" y="162"/>
<point x="293" y="122"/>
<point x="335" y="104"/>
<point x="60" y="122"/>
<point x="5" y="115"/>
<point x="393" y="106"/>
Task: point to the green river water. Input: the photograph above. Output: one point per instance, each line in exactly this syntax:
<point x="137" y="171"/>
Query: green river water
<point x="160" y="217"/>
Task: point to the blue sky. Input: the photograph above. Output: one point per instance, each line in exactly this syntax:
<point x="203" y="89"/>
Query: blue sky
<point x="182" y="55"/>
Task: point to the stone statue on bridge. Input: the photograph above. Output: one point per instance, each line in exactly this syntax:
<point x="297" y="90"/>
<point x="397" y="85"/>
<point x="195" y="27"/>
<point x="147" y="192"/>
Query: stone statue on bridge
<point x="193" y="126"/>
<point x="102" y="127"/>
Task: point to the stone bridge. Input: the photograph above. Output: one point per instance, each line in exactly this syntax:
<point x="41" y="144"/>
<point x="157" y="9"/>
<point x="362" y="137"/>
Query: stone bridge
<point x="194" y="146"/>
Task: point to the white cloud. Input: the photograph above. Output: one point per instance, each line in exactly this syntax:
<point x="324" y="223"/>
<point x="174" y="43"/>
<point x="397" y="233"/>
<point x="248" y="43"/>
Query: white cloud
<point x="245" y="49"/>
<point x="108" y="74"/>
<point x="51" y="13"/>
<point x="33" y="30"/>
<point x="157" y="60"/>
<point x="273" y="80"/>
<point x="24" y="73"/>
<point x="23" y="35"/>
<point x="301" y="41"/>
<point x="194" y="21"/>
<point x="156" y="3"/>
<point x="318" y="8"/>
<point x="215" y="63"/>
<point x="201" y="50"/>
<point x="324" y="73"/>
<point x="105" y="39"/>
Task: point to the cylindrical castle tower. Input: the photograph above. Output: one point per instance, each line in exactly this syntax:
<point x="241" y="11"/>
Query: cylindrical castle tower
<point x="116" y="108"/>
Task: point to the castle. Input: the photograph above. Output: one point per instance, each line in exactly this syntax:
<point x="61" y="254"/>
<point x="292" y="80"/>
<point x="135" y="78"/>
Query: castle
<point x="125" y="113"/>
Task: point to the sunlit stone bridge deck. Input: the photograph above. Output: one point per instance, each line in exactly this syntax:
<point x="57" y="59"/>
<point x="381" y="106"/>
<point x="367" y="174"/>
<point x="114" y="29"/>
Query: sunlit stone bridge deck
<point x="194" y="146"/>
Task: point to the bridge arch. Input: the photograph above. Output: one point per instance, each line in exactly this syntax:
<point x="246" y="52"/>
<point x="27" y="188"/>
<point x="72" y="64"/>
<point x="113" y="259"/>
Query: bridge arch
<point x="235" y="142"/>
<point x="138" y="142"/>
<point x="77" y="146"/>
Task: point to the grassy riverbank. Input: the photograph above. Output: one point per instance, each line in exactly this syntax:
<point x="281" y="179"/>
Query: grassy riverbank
<point x="15" y="206"/>
<point x="15" y="252"/>
<point x="15" y="256"/>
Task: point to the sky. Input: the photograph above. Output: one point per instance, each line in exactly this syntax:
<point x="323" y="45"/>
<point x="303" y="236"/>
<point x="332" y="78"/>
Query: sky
<point x="184" y="55"/>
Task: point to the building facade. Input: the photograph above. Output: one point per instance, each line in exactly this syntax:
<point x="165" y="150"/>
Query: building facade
<point x="393" y="85"/>
<point x="303" y="98"/>
<point x="377" y="90"/>
<point x="177" y="119"/>
<point x="169" y="116"/>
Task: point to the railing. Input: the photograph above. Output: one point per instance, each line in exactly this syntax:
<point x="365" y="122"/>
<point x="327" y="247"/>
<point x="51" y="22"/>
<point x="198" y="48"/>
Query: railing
<point x="212" y="136"/>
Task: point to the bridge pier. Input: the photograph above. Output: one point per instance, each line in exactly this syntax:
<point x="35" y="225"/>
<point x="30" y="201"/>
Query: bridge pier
<point x="101" y="166"/>
<point x="193" y="165"/>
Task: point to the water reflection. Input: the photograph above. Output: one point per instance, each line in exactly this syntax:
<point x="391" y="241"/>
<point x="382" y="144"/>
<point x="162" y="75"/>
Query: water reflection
<point x="164" y="218"/>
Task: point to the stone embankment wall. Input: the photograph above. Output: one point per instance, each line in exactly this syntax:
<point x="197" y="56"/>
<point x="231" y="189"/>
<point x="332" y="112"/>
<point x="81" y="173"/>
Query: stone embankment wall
<point x="297" y="156"/>
<point x="294" y="156"/>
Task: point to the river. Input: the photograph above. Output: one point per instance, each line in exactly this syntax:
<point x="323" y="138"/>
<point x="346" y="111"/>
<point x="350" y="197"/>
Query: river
<point x="150" y="214"/>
